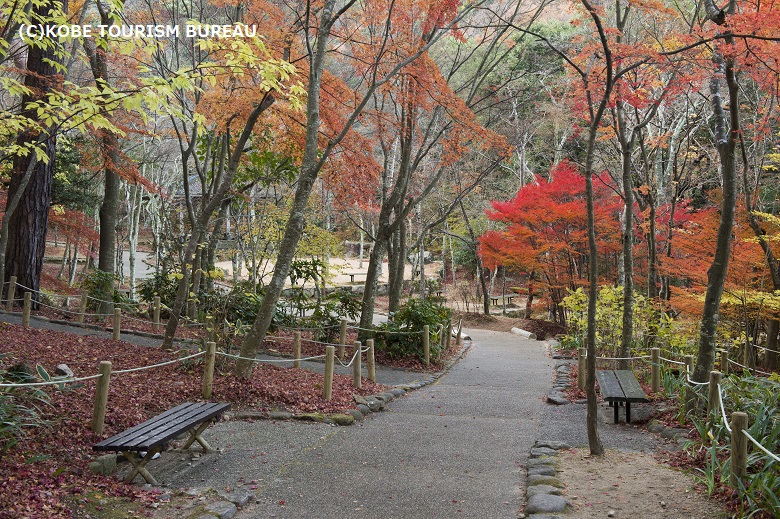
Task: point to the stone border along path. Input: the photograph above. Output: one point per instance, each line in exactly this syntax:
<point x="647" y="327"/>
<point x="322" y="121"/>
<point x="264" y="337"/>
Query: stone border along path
<point x="543" y="487"/>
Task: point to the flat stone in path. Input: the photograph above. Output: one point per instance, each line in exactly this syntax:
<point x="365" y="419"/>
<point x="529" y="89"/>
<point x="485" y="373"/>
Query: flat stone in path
<point x="546" y="504"/>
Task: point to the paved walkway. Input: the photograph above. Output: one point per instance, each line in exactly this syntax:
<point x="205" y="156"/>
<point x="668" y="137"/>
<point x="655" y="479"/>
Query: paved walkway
<point x="456" y="447"/>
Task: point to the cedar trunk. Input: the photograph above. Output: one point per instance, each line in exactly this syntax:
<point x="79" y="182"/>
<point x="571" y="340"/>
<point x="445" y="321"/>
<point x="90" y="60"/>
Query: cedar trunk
<point x="28" y="223"/>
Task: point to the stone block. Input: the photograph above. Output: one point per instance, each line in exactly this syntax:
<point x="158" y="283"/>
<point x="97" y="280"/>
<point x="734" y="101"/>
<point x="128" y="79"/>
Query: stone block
<point x="222" y="509"/>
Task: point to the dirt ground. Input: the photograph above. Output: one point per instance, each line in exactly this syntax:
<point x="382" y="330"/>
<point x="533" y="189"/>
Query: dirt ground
<point x="631" y="485"/>
<point x="499" y="323"/>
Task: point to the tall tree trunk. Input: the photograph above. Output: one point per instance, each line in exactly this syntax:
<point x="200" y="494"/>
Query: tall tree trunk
<point x="310" y="169"/>
<point x="369" y="293"/>
<point x="109" y="148"/>
<point x="25" y="226"/>
<point x="395" y="285"/>
<point x="134" y="219"/>
<point x="628" y="241"/>
<point x="727" y="134"/>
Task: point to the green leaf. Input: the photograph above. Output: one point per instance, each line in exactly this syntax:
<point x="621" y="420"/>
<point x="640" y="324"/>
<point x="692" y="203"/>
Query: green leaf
<point x="42" y="373"/>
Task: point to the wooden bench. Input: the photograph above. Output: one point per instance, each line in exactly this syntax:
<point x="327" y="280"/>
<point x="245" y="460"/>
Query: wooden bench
<point x="353" y="274"/>
<point x="619" y="386"/>
<point x="153" y="435"/>
<point x="508" y="298"/>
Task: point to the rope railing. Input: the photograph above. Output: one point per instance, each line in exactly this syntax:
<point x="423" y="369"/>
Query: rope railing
<point x="724" y="416"/>
<point x="723" y="409"/>
<point x="51" y="382"/>
<point x="66" y="311"/>
<point x="761" y="447"/>
<point x="358" y="351"/>
<point x="174" y="361"/>
<point x="749" y="368"/>
<point x="266" y="361"/>
<point x="307" y="329"/>
<point x="320" y="343"/>
<point x="384" y="331"/>
<point x="672" y="361"/>
<point x="623" y="358"/>
<point x="91" y="377"/>
<point x="765" y="348"/>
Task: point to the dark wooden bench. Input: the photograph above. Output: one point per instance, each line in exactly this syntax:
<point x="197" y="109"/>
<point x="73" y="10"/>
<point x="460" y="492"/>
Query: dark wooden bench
<point x="619" y="386"/>
<point x="508" y="298"/>
<point x="353" y="274"/>
<point x="153" y="435"/>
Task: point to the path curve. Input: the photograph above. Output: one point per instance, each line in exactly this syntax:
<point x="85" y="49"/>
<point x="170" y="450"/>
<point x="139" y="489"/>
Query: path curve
<point x="456" y="447"/>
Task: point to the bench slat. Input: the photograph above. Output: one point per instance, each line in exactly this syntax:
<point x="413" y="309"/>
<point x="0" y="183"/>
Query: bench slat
<point x="631" y="388"/>
<point x="160" y="432"/>
<point x="609" y="385"/>
<point x="162" y="428"/>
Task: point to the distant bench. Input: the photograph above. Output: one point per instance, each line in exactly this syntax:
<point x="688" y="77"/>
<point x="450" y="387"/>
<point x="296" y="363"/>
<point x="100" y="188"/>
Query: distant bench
<point x="618" y="386"/>
<point x="153" y="435"/>
<point x="507" y="298"/>
<point x="353" y="274"/>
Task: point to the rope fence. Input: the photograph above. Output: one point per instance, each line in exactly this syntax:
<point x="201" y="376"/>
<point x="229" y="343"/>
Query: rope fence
<point x="737" y="427"/>
<point x="51" y="382"/>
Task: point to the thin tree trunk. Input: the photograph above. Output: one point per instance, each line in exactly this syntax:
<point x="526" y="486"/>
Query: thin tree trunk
<point x="716" y="274"/>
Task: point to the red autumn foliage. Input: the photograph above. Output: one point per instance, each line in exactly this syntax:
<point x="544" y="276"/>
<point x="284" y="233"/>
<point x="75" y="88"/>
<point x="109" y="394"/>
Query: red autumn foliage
<point x="46" y="472"/>
<point x="545" y="229"/>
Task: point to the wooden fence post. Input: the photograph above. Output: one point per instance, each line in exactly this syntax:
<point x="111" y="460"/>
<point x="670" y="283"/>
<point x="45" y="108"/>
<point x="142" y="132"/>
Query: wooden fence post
<point x="371" y="360"/>
<point x="297" y="349"/>
<point x="9" y="306"/>
<point x="357" y="367"/>
<point x="460" y="329"/>
<point x="655" y="369"/>
<point x="117" y="323"/>
<point x="156" y="311"/>
<point x="582" y="357"/>
<point x="738" y="447"/>
<point x="689" y="364"/>
<point x="427" y="344"/>
<point x="342" y="337"/>
<point x="724" y="362"/>
<point x="714" y="391"/>
<point x="83" y="307"/>
<point x="26" y="307"/>
<point x="448" y="337"/>
<point x="208" y="369"/>
<point x="211" y="331"/>
<point x="101" y="397"/>
<point x="330" y="354"/>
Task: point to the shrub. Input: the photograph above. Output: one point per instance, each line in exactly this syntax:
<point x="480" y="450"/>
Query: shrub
<point x="340" y="304"/>
<point x="401" y="336"/>
<point x="99" y="286"/>
<point x="19" y="407"/>
<point x="160" y="284"/>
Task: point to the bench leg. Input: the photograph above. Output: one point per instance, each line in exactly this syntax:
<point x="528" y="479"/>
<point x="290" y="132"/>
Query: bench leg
<point x="139" y="466"/>
<point x="195" y="436"/>
<point x="616" y="408"/>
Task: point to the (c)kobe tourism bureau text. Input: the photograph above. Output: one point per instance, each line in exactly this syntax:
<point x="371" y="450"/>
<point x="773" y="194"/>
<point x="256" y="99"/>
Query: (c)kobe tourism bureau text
<point x="41" y="31"/>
